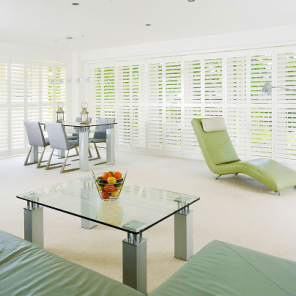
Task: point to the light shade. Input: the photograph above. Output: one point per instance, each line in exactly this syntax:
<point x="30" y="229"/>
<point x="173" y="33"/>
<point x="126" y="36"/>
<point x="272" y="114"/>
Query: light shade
<point x="267" y="88"/>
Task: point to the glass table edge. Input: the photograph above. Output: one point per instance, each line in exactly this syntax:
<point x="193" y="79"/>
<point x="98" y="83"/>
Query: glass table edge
<point x="113" y="226"/>
<point x="84" y="125"/>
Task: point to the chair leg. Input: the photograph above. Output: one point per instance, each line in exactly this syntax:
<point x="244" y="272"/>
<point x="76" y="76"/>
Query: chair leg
<point x="64" y="164"/>
<point x="98" y="153"/>
<point x="277" y="193"/>
<point x="27" y="158"/>
<point x="218" y="177"/>
<point x="50" y="166"/>
<point x="89" y="152"/>
<point x="48" y="162"/>
<point x="40" y="160"/>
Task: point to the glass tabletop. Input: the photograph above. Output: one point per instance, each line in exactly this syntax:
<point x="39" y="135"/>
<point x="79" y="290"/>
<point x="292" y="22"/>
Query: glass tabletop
<point x="137" y="209"/>
<point x="77" y="124"/>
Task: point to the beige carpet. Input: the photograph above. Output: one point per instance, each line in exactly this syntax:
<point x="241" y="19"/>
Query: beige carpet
<point x="235" y="209"/>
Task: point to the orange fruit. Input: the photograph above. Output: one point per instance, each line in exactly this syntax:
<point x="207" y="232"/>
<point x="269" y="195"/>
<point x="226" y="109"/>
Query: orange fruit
<point x="117" y="175"/>
<point x="106" y="175"/>
<point x="105" y="195"/>
<point x="109" y="188"/>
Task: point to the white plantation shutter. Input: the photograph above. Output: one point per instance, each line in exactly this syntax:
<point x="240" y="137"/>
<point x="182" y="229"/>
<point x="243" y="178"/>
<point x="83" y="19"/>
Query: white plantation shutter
<point x="25" y="94"/>
<point x="173" y="99"/>
<point x="261" y="105"/>
<point x="47" y="93"/>
<point x="213" y="85"/>
<point x="192" y="104"/>
<point x="108" y="110"/>
<point x="138" y="101"/>
<point x="124" y="115"/>
<point x="96" y="91"/>
<point x="236" y="101"/>
<point x="156" y="99"/>
<point x="61" y="88"/>
<point x="33" y="83"/>
<point x="286" y="105"/>
<point x="155" y="106"/>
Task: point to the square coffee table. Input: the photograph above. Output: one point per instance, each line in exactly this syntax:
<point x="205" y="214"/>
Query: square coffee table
<point x="137" y="209"/>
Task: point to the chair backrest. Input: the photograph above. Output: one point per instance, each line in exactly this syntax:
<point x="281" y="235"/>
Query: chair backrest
<point x="100" y="132"/>
<point x="57" y="135"/>
<point x="35" y="134"/>
<point x="216" y="146"/>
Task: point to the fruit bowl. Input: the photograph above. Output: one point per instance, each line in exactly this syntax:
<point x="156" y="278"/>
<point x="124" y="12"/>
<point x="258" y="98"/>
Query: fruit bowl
<point x="109" y="184"/>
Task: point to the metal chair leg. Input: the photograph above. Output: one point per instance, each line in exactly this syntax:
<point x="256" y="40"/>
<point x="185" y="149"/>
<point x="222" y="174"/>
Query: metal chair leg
<point x="98" y="153"/>
<point x="218" y="177"/>
<point x="49" y="160"/>
<point x="40" y="160"/>
<point x="27" y="158"/>
<point x="89" y="152"/>
<point x="52" y="166"/>
<point x="64" y="164"/>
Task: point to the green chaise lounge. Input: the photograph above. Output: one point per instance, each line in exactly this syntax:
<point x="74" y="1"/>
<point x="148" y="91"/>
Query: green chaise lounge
<point x="222" y="159"/>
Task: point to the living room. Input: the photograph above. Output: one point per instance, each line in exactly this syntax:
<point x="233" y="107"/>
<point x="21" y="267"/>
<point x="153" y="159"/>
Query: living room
<point x="152" y="67"/>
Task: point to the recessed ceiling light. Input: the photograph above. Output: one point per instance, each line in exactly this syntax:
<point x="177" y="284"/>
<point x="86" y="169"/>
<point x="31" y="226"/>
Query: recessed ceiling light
<point x="75" y="3"/>
<point x="191" y="0"/>
<point x="148" y="25"/>
<point x="69" y="38"/>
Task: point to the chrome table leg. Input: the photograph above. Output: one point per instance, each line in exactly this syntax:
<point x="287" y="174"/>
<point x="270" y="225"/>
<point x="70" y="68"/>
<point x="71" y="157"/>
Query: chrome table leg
<point x="83" y="149"/>
<point x="33" y="224"/>
<point x="183" y="228"/>
<point x="110" y="140"/>
<point x="134" y="261"/>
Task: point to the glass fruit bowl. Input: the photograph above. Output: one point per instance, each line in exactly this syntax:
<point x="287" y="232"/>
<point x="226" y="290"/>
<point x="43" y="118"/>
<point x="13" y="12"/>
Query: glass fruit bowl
<point x="109" y="184"/>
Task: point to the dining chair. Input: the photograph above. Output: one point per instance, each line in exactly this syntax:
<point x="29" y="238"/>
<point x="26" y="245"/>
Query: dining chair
<point x="58" y="140"/>
<point x="100" y="134"/>
<point x="36" y="138"/>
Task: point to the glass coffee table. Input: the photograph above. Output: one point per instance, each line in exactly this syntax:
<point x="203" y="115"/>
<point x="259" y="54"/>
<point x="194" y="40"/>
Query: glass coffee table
<point x="137" y="209"/>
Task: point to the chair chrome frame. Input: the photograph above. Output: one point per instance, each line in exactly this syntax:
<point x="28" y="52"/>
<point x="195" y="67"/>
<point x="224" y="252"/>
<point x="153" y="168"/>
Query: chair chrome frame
<point x="36" y="138"/>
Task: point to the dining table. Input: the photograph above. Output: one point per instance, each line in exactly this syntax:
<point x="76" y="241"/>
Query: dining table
<point x="83" y="131"/>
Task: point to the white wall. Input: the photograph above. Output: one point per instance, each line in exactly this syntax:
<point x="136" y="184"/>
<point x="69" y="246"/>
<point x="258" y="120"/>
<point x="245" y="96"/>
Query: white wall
<point x="232" y="41"/>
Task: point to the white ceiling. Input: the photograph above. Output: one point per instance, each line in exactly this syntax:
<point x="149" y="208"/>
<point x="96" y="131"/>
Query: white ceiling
<point x="110" y="23"/>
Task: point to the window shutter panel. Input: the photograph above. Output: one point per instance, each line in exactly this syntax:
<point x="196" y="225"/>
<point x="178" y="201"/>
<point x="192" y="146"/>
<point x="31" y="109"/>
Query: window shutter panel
<point x="124" y="111"/>
<point x="109" y="93"/>
<point x="213" y="85"/>
<point x="138" y="100"/>
<point x="17" y="130"/>
<point x="155" y="107"/>
<point x="47" y="93"/>
<point x="173" y="95"/>
<point x="192" y="105"/>
<point x="96" y="91"/>
<point x="236" y="100"/>
<point x="286" y="105"/>
<point x="261" y="106"/>
<point x="33" y="83"/>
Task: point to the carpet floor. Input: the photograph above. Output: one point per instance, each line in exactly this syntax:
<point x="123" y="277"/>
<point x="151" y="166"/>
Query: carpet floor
<point x="234" y="209"/>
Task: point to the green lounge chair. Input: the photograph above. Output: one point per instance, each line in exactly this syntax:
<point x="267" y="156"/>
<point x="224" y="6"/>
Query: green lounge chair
<point x="222" y="159"/>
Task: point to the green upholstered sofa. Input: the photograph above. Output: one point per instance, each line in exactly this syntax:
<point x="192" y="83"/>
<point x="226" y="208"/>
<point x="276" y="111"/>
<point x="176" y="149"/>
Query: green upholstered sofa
<point x="218" y="269"/>
<point x="25" y="270"/>
<point x="222" y="159"/>
<point x="222" y="269"/>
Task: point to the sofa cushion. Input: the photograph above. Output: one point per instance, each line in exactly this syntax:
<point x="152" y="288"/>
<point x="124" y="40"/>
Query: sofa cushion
<point x="27" y="270"/>
<point x="225" y="269"/>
